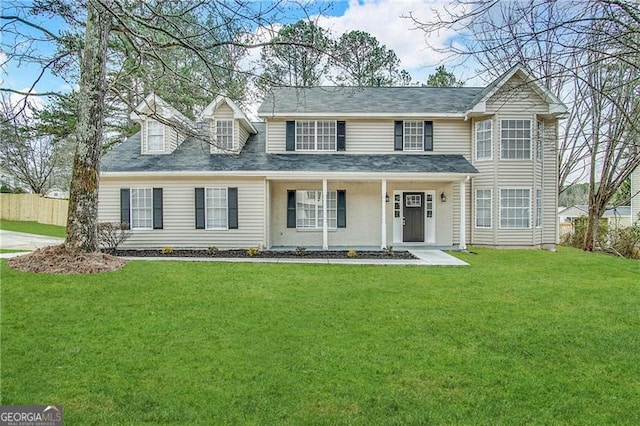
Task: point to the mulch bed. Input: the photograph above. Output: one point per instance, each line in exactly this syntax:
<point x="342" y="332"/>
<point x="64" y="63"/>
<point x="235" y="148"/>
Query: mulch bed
<point x="57" y="260"/>
<point x="311" y="254"/>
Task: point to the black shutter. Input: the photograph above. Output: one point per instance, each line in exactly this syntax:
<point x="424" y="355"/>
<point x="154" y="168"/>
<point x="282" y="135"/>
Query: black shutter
<point x="157" y="208"/>
<point x="341" y="135"/>
<point x="232" y="207"/>
<point x="291" y="209"/>
<point x="342" y="209"/>
<point x="428" y="135"/>
<point x="291" y="136"/>
<point x="199" y="208"/>
<point x="125" y="211"/>
<point x="397" y="135"/>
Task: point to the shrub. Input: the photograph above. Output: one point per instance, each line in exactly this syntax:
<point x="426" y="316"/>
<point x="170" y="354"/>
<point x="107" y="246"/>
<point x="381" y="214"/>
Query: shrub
<point x="300" y="250"/>
<point x="212" y="250"/>
<point x="576" y="238"/>
<point x="253" y="251"/>
<point x="352" y="254"/>
<point x="166" y="250"/>
<point x="388" y="250"/>
<point x="626" y="241"/>
<point x="112" y="234"/>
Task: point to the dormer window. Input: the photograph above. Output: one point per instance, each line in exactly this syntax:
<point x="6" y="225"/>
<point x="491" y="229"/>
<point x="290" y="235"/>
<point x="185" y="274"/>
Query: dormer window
<point x="224" y="135"/>
<point x="155" y="136"/>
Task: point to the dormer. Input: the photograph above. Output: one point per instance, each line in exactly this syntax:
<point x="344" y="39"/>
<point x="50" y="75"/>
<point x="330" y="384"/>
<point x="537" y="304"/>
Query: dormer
<point x="228" y="127"/>
<point x="163" y="128"/>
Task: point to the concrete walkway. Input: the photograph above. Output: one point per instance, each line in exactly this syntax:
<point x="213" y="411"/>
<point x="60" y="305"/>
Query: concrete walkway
<point x="22" y="241"/>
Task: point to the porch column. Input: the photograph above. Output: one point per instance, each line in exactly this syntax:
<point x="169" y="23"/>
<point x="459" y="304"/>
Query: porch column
<point x="325" y="222"/>
<point x="383" y="195"/>
<point x="463" y="214"/>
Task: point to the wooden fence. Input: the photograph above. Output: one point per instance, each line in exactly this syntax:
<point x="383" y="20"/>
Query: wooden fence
<point x="33" y="207"/>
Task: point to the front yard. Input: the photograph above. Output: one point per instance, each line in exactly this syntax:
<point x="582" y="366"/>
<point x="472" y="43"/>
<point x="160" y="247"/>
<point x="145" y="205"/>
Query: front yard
<point x="517" y="337"/>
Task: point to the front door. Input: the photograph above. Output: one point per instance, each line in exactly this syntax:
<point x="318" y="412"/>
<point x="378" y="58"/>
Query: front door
<point x="413" y="217"/>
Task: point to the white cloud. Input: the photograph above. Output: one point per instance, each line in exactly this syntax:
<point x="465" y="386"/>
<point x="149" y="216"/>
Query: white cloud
<point x="389" y="22"/>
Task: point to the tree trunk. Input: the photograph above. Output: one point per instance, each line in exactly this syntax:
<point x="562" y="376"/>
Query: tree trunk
<point x="83" y="193"/>
<point x="591" y="233"/>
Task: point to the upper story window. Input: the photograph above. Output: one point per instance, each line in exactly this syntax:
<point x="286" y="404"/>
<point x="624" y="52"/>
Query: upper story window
<point x="141" y="208"/>
<point x="155" y="136"/>
<point x="539" y="139"/>
<point x="413" y="136"/>
<point x="315" y="135"/>
<point x="224" y="135"/>
<point x="483" y="140"/>
<point x="515" y="140"/>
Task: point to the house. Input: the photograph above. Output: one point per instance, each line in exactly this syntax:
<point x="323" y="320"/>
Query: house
<point x="342" y="167"/>
<point x="614" y="217"/>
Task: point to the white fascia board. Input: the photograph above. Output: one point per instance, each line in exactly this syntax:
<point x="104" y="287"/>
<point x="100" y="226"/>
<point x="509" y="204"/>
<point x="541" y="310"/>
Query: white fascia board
<point x="276" y="175"/>
<point x="336" y="116"/>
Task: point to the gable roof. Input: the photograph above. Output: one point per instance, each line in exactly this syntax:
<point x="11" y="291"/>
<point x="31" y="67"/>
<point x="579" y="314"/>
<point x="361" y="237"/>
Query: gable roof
<point x="237" y="112"/>
<point x="154" y="105"/>
<point x="193" y="156"/>
<point x="479" y="103"/>
<point x="368" y="101"/>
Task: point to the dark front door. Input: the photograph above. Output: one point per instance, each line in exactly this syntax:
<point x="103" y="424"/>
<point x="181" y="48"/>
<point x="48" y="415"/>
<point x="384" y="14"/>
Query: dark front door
<point x="413" y="222"/>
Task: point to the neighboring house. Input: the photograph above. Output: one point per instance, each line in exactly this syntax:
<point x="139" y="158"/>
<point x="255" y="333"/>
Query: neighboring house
<point x="635" y="196"/>
<point x="340" y="167"/>
<point x="56" y="192"/>
<point x="615" y="217"/>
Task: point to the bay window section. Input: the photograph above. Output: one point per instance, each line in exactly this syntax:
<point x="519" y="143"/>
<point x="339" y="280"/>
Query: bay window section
<point x="483" y="208"/>
<point x="515" y="208"/>
<point x="483" y="140"/>
<point x="515" y="140"/>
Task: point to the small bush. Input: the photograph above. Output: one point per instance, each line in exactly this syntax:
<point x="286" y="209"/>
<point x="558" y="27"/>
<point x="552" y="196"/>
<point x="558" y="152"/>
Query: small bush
<point x="112" y="234"/>
<point x="576" y="238"/>
<point x="213" y="250"/>
<point x="352" y="254"/>
<point x="166" y="250"/>
<point x="253" y="251"/>
<point x="626" y="241"/>
<point x="300" y="250"/>
<point x="388" y="250"/>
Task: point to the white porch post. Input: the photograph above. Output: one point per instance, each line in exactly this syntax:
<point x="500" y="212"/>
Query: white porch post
<point x="325" y="222"/>
<point x="383" y="194"/>
<point x="463" y="214"/>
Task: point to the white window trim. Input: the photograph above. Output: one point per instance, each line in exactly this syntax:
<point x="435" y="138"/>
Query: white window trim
<point x="404" y="136"/>
<point x="234" y="143"/>
<point x="135" y="228"/>
<point x="162" y="126"/>
<point x="475" y="207"/>
<point x="539" y="205"/>
<point x="319" y="226"/>
<point x="206" y="209"/>
<point x="475" y="136"/>
<point x="500" y="208"/>
<point x="540" y="130"/>
<point x="315" y="136"/>
<point x="531" y="135"/>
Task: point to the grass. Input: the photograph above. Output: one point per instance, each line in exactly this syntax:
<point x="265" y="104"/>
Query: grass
<point x="518" y="337"/>
<point x="34" y="228"/>
<point x="11" y="250"/>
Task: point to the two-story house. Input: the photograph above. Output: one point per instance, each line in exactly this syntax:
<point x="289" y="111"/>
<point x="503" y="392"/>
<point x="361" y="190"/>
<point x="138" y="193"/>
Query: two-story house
<point x="339" y="167"/>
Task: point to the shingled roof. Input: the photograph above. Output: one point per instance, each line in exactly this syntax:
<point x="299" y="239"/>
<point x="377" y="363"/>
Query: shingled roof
<point x="369" y="100"/>
<point x="193" y="156"/>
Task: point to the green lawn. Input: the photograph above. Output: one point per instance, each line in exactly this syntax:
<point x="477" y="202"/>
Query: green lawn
<point x="34" y="228"/>
<point x="518" y="337"/>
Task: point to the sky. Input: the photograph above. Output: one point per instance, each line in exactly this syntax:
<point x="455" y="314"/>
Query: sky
<point x="387" y="20"/>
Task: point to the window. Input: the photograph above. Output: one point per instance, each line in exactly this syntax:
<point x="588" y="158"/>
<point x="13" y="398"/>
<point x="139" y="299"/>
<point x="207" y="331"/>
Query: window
<point x="413" y="136"/>
<point x="515" y="139"/>
<point x="316" y="135"/>
<point x="141" y="208"/>
<point x="540" y="140"/>
<point x="538" y="207"/>
<point x="309" y="209"/>
<point x="224" y="135"/>
<point x="483" y="208"/>
<point x="216" y="208"/>
<point x="155" y="136"/>
<point x="515" y="208"/>
<point x="483" y="140"/>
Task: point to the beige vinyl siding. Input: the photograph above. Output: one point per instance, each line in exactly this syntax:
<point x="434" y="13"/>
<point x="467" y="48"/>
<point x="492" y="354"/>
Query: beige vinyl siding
<point x="635" y="191"/>
<point x="549" y="180"/>
<point x="179" y="213"/>
<point x="516" y="97"/>
<point x="242" y="135"/>
<point x="376" y="136"/>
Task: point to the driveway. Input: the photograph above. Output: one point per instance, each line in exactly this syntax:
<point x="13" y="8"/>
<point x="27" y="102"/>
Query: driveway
<point x="22" y="241"/>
